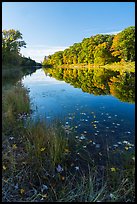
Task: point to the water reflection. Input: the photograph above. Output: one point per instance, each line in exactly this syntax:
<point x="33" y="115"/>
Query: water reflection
<point x="98" y="81"/>
<point x="101" y="123"/>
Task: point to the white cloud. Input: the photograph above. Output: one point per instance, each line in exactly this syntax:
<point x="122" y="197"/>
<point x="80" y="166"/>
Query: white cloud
<point x="112" y="33"/>
<point x="38" y="52"/>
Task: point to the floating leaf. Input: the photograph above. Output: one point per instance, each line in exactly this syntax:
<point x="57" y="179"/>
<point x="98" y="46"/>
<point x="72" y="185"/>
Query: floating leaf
<point x="77" y="168"/>
<point x="113" y="169"/>
<point x="22" y="191"/>
<point x="82" y="137"/>
<point x="90" y="141"/>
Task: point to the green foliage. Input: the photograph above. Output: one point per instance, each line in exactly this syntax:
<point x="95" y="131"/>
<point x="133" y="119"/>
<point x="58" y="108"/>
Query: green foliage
<point x="99" y="49"/>
<point x="11" y="44"/>
<point x="27" y="61"/>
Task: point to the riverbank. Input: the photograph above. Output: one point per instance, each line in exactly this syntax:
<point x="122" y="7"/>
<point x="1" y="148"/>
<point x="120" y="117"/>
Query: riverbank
<point x="40" y="163"/>
<point x="117" y="66"/>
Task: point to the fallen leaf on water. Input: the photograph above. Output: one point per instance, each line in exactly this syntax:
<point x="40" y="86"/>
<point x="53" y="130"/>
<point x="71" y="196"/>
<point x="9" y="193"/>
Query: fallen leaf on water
<point x="77" y="168"/>
<point x="113" y="169"/>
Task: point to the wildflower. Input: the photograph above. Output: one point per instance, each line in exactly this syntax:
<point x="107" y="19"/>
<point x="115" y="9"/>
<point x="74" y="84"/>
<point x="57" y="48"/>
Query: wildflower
<point x="62" y="178"/>
<point x="14" y="146"/>
<point x="113" y="169"/>
<point x="42" y="149"/>
<point x="126" y="148"/>
<point x="22" y="190"/>
<point x="66" y="150"/>
<point x="59" y="168"/>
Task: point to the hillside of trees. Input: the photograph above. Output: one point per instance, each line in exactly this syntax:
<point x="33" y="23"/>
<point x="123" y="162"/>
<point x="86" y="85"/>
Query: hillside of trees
<point x="99" y="49"/>
<point x="11" y="45"/>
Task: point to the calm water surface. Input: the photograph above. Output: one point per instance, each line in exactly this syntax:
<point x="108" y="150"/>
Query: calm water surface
<point x="100" y="122"/>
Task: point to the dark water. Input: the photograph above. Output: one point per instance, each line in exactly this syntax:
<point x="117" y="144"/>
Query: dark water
<point x="98" y="105"/>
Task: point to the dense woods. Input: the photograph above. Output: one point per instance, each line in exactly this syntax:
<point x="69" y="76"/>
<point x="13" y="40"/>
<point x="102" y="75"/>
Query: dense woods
<point x="11" y="45"/>
<point x="99" y="49"/>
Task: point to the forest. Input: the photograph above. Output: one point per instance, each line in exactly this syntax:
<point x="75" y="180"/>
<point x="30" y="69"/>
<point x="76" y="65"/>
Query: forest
<point x="100" y="49"/>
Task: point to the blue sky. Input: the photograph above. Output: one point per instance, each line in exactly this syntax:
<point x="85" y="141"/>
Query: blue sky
<point x="51" y="26"/>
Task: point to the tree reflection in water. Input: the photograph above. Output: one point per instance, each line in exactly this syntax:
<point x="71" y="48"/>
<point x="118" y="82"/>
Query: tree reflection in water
<point x="98" y="81"/>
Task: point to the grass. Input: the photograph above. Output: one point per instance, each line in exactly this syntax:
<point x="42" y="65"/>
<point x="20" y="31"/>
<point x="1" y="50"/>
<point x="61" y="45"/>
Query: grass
<point x="45" y="143"/>
<point x="40" y="163"/>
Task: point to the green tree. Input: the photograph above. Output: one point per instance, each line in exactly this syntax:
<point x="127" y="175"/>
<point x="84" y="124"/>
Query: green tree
<point x="102" y="54"/>
<point x="11" y="45"/>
